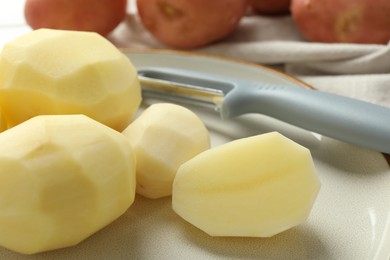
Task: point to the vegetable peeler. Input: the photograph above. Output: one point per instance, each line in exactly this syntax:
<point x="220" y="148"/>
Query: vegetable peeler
<point x="343" y="118"/>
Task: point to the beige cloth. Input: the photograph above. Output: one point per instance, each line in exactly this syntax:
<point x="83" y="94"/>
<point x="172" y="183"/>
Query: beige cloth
<point x="356" y="70"/>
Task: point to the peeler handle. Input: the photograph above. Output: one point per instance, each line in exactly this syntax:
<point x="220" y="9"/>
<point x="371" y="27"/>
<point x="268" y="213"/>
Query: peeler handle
<point x="340" y="117"/>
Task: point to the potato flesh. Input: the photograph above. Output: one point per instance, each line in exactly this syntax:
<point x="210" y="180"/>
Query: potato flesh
<point x="163" y="137"/>
<point x="257" y="187"/>
<point x="62" y="178"/>
<point x="3" y="125"/>
<point x="67" y="72"/>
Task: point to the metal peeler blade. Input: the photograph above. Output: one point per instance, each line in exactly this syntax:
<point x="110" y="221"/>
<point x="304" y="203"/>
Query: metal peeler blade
<point x="339" y="117"/>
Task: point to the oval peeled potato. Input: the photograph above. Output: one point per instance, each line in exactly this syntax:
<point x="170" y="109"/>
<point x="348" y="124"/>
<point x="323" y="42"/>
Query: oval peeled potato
<point x="254" y="187"/>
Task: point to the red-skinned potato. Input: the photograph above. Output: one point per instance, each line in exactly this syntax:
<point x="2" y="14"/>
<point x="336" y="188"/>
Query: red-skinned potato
<point x="357" y="21"/>
<point x="270" y="7"/>
<point x="187" y="24"/>
<point x="100" y="16"/>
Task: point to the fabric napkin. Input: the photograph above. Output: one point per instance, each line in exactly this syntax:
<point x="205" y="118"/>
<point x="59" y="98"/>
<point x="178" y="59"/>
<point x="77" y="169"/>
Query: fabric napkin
<point x="360" y="71"/>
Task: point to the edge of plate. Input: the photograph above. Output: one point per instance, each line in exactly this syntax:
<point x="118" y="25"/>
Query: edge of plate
<point x="219" y="57"/>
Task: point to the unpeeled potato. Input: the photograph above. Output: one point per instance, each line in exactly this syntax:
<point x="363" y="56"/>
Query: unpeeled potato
<point x="190" y="24"/>
<point x="358" y="21"/>
<point x="270" y="7"/>
<point x="101" y="16"/>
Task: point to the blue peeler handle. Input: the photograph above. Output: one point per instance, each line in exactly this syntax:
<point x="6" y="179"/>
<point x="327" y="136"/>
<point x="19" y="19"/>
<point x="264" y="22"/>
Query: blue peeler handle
<point x="343" y="118"/>
<point x="340" y="117"/>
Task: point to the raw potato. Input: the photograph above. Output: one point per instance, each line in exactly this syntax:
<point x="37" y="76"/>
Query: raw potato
<point x="3" y="125"/>
<point x="256" y="187"/>
<point x="163" y="137"/>
<point x="270" y="7"/>
<point x="62" y="178"/>
<point x="67" y="72"/>
<point x="188" y="24"/>
<point x="357" y="21"/>
<point x="101" y="16"/>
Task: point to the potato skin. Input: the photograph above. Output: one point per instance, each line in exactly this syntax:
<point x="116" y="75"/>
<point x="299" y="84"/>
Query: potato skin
<point x="87" y="15"/>
<point x="358" y="21"/>
<point x="187" y="24"/>
<point x="270" y="7"/>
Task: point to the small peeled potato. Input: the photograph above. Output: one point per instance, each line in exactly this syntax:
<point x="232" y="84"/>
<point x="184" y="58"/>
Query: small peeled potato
<point x="163" y="137"/>
<point x="254" y="187"/>
<point x="62" y="178"/>
<point x="67" y="72"/>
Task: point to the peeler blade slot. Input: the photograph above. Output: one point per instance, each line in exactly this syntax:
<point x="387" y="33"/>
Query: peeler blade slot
<point x="183" y="88"/>
<point x="193" y="81"/>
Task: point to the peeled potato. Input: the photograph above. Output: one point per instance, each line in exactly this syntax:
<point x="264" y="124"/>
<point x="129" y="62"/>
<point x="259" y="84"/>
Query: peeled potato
<point x="163" y="137"/>
<point x="3" y="125"/>
<point x="67" y="72"/>
<point x="257" y="187"/>
<point x="62" y="178"/>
